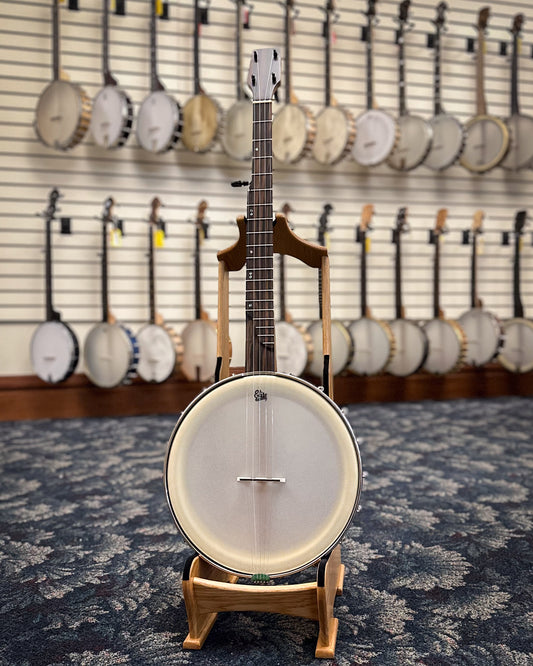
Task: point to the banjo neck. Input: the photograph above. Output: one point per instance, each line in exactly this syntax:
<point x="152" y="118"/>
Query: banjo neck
<point x="517" y="23"/>
<point x="323" y="229"/>
<point x="263" y="79"/>
<point x="366" y="217"/>
<point x="197" y="21"/>
<point x="439" y="26"/>
<point x="238" y="48"/>
<point x="51" y="314"/>
<point x="326" y="29"/>
<point x="55" y="40"/>
<point x="476" y="230"/>
<point x="371" y="13"/>
<point x="107" y="217"/>
<point x="200" y="233"/>
<point x="155" y="83"/>
<point x="289" y="30"/>
<point x="154" y="224"/>
<point x="402" y="20"/>
<point x="397" y="236"/>
<point x="481" y="103"/>
<point x="109" y="79"/>
<point x="436" y="236"/>
<point x="518" y="308"/>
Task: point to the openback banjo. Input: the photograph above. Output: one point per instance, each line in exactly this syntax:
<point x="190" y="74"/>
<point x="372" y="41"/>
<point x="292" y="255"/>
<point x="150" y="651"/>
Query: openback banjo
<point x="110" y="351"/>
<point x="373" y="339"/>
<point x="63" y="111"/>
<point x="159" y="119"/>
<point x="447" y="340"/>
<point x="237" y="135"/>
<point x="448" y="133"/>
<point x="199" y="336"/>
<point x="376" y="130"/>
<point x="54" y="348"/>
<point x="487" y="138"/>
<point x="202" y="115"/>
<point x="415" y="133"/>
<point x="294" y="126"/>
<point x="517" y="353"/>
<point x="342" y="347"/>
<point x="520" y="125"/>
<point x="294" y="348"/>
<point x="262" y="472"/>
<point x="335" y="126"/>
<point x="160" y="347"/>
<point x="410" y="340"/>
<point x="112" y="115"/>
<point x="482" y="328"/>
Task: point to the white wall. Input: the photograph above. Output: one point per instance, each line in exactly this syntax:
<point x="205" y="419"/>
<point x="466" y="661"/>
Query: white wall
<point x="87" y="174"/>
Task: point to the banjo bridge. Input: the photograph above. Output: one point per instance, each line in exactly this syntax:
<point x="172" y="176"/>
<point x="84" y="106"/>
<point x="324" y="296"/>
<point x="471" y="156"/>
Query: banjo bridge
<point x="262" y="479"/>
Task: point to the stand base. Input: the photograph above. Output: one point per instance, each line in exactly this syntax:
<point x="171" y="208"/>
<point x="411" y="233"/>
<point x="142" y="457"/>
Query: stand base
<point x="207" y="591"/>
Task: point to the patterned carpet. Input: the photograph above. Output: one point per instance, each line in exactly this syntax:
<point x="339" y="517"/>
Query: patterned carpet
<point x="439" y="560"/>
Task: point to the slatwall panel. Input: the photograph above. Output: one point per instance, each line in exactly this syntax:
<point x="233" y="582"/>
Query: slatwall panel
<point x="87" y="174"/>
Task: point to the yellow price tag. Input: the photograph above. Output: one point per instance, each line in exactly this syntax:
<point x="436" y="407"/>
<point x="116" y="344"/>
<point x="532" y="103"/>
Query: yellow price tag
<point x="480" y="247"/>
<point x="520" y="244"/>
<point x="116" y="238"/>
<point x="326" y="239"/>
<point x="159" y="7"/>
<point x="113" y="6"/>
<point x="159" y="238"/>
<point x="368" y="243"/>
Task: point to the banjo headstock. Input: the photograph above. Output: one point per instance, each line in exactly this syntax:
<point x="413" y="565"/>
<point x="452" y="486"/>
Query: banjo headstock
<point x="154" y="210"/>
<point x="520" y="222"/>
<point x="107" y="212"/>
<point x="483" y="19"/>
<point x="518" y="21"/>
<point x="477" y="222"/>
<point x="201" y="222"/>
<point x="323" y="223"/>
<point x="366" y="217"/>
<point x="403" y="14"/>
<point x="440" y="222"/>
<point x="51" y="209"/>
<point x="264" y="75"/>
<point x="401" y="220"/>
<point x="371" y="9"/>
<point x="440" y="19"/>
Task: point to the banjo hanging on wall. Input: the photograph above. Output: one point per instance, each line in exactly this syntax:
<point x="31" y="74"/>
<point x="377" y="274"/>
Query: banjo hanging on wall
<point x="54" y="346"/>
<point x="487" y="139"/>
<point x="112" y="115"/>
<point x="64" y="109"/>
<point x="262" y="473"/>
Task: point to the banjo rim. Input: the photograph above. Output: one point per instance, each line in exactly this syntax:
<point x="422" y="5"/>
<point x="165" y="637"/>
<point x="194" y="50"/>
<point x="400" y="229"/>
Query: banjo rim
<point x="486" y="166"/>
<point x="317" y="391"/>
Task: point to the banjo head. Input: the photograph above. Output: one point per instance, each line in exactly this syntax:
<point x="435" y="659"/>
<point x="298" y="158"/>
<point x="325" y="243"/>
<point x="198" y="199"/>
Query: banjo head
<point x="292" y="434"/>
<point x="54" y="351"/>
<point x="448" y="142"/>
<point x="377" y="133"/>
<point x="158" y="122"/>
<point x="335" y="133"/>
<point x="293" y="348"/>
<point x="411" y="348"/>
<point x="484" y="334"/>
<point x="517" y="352"/>
<point x="111" y="117"/>
<point x="109" y="354"/>
<point x="521" y="143"/>
<point x="414" y="142"/>
<point x="447" y="346"/>
<point x="62" y="115"/>
<point x="201" y="123"/>
<point x="373" y="342"/>
<point x="237" y="137"/>
<point x="293" y="132"/>
<point x="342" y="348"/>
<point x="199" y="339"/>
<point x="157" y="354"/>
<point x="487" y="143"/>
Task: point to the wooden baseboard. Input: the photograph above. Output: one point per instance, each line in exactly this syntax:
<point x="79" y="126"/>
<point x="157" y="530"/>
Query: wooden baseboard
<point x="28" y="397"/>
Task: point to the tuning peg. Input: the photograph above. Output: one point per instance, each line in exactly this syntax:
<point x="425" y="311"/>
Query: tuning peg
<point x="240" y="183"/>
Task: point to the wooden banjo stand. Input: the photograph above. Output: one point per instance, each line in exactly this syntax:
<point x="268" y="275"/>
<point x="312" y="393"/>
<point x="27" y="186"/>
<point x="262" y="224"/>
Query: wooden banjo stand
<point x="208" y="590"/>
